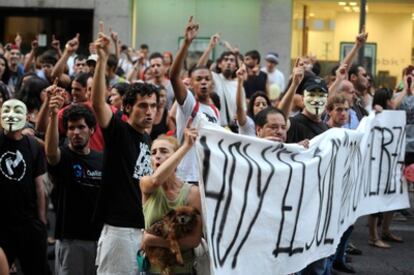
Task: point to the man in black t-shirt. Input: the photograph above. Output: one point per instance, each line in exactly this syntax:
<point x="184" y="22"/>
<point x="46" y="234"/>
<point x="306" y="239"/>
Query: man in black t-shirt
<point x="256" y="79"/>
<point x="126" y="160"/>
<point x="22" y="198"/>
<point x="307" y="124"/>
<point x="76" y="173"/>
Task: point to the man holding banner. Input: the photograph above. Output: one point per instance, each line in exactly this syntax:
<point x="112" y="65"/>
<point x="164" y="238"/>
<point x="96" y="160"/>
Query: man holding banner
<point x="307" y="125"/>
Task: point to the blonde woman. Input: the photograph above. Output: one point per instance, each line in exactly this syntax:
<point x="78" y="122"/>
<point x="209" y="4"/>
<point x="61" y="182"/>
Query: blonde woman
<point x="164" y="191"/>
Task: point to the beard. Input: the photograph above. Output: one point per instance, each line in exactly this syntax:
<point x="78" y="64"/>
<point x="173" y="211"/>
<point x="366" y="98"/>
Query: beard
<point x="228" y="73"/>
<point x="79" y="146"/>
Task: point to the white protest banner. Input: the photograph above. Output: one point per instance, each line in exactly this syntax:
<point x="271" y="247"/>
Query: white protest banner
<point x="272" y="208"/>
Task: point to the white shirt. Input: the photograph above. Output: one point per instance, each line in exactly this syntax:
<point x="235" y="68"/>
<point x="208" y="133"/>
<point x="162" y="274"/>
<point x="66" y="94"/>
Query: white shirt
<point x="276" y="77"/>
<point x="227" y="91"/>
<point x="187" y="170"/>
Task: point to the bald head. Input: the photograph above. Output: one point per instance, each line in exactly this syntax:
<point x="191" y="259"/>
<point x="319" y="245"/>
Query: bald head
<point x="348" y="90"/>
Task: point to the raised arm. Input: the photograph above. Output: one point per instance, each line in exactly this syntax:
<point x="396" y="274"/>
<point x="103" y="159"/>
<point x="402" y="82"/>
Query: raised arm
<point x="359" y="42"/>
<point x="52" y="133"/>
<point x="285" y="104"/>
<point x="70" y="48"/>
<point x="406" y="90"/>
<point x="102" y="110"/>
<point x="149" y="184"/>
<point x="28" y="62"/>
<point x="42" y="117"/>
<point x="115" y="40"/>
<point x="56" y="45"/>
<point x="133" y="73"/>
<point x="240" y="100"/>
<point x="180" y="90"/>
<point x="341" y="74"/>
<point x="211" y="45"/>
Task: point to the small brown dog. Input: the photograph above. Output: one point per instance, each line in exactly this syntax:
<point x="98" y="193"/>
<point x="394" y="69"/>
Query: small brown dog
<point x="173" y="226"/>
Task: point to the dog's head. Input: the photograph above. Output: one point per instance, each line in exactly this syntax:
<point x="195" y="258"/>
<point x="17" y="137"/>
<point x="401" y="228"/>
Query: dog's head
<point x="183" y="215"/>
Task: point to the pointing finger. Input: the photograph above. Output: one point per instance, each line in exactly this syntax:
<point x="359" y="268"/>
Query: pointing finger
<point x="297" y="62"/>
<point x="101" y="27"/>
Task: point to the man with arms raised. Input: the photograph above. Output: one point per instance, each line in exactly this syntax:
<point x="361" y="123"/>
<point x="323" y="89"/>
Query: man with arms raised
<point x="225" y="82"/>
<point x="190" y="106"/>
<point x="76" y="172"/>
<point x="126" y="160"/>
<point x="308" y="124"/>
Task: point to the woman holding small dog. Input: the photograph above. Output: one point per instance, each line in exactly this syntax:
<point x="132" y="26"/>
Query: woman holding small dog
<point x="164" y="191"/>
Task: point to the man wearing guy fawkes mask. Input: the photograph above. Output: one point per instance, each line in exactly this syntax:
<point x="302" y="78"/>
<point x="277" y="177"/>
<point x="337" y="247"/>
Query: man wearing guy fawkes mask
<point x="22" y="201"/>
<point x="308" y="123"/>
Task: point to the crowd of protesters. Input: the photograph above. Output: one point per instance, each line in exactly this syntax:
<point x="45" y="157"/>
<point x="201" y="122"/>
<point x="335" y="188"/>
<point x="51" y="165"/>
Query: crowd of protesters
<point x="105" y="140"/>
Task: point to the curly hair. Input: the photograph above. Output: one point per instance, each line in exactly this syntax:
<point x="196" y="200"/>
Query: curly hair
<point x="142" y="89"/>
<point x="77" y="112"/>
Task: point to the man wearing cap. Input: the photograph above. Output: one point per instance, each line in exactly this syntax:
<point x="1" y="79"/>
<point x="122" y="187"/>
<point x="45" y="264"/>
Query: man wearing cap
<point x="91" y="63"/>
<point x="275" y="78"/>
<point x="307" y="124"/>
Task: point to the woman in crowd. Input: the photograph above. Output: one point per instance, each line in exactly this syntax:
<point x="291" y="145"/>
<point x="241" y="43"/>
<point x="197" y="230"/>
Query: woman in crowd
<point x="116" y="94"/>
<point x="383" y="100"/>
<point x="163" y="191"/>
<point x="258" y="101"/>
<point x="162" y="123"/>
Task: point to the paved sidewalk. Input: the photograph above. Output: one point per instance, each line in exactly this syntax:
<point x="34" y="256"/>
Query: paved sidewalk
<point x="399" y="259"/>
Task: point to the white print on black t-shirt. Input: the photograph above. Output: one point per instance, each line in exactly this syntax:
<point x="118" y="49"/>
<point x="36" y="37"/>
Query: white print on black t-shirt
<point x="12" y="165"/>
<point x="84" y="176"/>
<point x="143" y="164"/>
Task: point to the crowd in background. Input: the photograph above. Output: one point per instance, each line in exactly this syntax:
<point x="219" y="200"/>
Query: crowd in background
<point x="109" y="137"/>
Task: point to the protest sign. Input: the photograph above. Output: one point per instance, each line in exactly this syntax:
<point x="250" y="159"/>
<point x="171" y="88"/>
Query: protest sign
<point x="273" y="208"/>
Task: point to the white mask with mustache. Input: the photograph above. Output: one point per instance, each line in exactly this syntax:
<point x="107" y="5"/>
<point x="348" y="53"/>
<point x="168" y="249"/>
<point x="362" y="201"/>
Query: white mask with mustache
<point x="13" y="115"/>
<point x="315" y="101"/>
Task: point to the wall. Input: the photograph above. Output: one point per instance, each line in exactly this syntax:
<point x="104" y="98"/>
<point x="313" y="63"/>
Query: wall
<point x="393" y="34"/>
<point x="115" y="13"/>
<point x="263" y="25"/>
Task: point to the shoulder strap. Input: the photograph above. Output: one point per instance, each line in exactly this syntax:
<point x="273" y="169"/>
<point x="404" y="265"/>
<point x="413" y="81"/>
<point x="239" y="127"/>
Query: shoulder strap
<point x="215" y="110"/>
<point x="195" y="110"/>
<point x="197" y="107"/>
